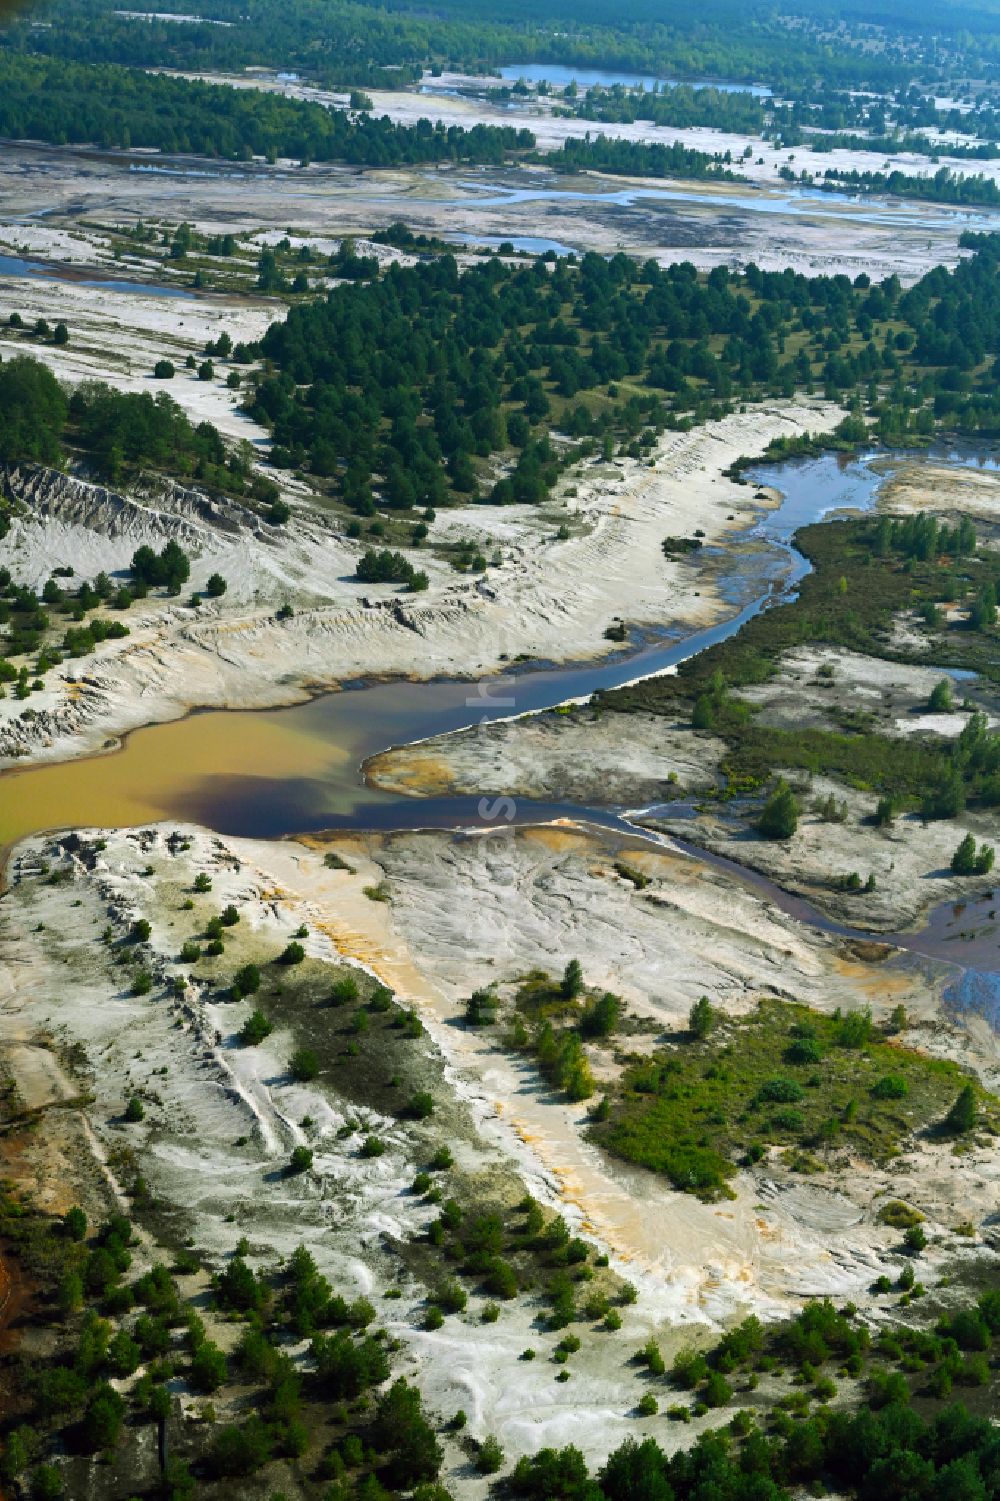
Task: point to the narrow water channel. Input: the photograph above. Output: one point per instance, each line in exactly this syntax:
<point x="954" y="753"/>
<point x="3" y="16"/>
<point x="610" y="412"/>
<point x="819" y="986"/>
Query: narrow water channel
<point x="272" y="772"/>
<point x="265" y="774"/>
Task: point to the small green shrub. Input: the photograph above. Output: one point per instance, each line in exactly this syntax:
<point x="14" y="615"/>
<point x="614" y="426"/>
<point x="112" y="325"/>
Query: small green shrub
<point x="890" y="1087"/>
<point x="255" y="1029"/>
<point x="303" y="1065"/>
<point x="489" y="1457"/>
<point x="899" y="1215"/>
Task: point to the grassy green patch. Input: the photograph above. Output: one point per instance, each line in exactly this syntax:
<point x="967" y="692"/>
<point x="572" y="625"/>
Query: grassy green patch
<point x="785" y="1075"/>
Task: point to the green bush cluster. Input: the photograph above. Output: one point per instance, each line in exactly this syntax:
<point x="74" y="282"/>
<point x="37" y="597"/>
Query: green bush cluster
<point x="694" y="1111"/>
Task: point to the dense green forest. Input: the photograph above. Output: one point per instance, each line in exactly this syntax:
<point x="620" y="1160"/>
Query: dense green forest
<point x="348" y="41"/>
<point x="115" y="107"/>
<point x="52" y="100"/>
<point x="942" y="186"/>
<point x="638" y="159"/>
<point x="403" y="391"/>
<point x="677" y="107"/>
<point x="398" y="391"/>
<point x="891" y="1452"/>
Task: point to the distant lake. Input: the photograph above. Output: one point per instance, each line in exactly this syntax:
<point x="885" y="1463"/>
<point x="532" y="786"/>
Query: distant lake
<point x="533" y="244"/>
<point x="556" y="73"/>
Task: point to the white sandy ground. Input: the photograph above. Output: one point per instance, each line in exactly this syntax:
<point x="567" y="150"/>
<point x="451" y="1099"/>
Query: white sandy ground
<point x="895" y="693"/>
<point x="910" y="860"/>
<point x="581" y="758"/>
<point x="117" y="337"/>
<point x="537" y="114"/>
<point x="549" y="598"/>
<point x="945" y="489"/>
<point x="597" y="757"/>
<point x="463" y="911"/>
<point x="709" y="224"/>
<point x="762" y="167"/>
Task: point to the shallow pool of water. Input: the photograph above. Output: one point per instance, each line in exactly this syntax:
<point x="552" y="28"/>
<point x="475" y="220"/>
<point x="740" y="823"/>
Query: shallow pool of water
<point x="15" y="265"/>
<point x="531" y="244"/>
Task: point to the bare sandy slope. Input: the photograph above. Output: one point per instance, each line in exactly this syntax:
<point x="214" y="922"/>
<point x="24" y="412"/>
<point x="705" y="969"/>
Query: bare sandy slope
<point x="910" y="860"/>
<point x="549" y="598"/>
<point x="222" y="1119"/>
<point x="578" y="757"/>
<point x="630" y="762"/>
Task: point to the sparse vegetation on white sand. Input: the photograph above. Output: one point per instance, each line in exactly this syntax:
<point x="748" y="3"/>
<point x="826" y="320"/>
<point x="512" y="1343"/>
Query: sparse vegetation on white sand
<point x="222" y="1106"/>
<point x="550" y="597"/>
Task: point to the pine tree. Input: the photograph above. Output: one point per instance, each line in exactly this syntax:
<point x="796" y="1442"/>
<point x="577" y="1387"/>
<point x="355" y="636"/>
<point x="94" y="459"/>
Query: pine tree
<point x="962" y="1116"/>
<point x="780" y="817"/>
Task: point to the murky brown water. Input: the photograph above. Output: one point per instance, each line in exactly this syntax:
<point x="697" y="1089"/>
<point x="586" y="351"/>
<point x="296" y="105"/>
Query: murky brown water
<point x="171" y="770"/>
